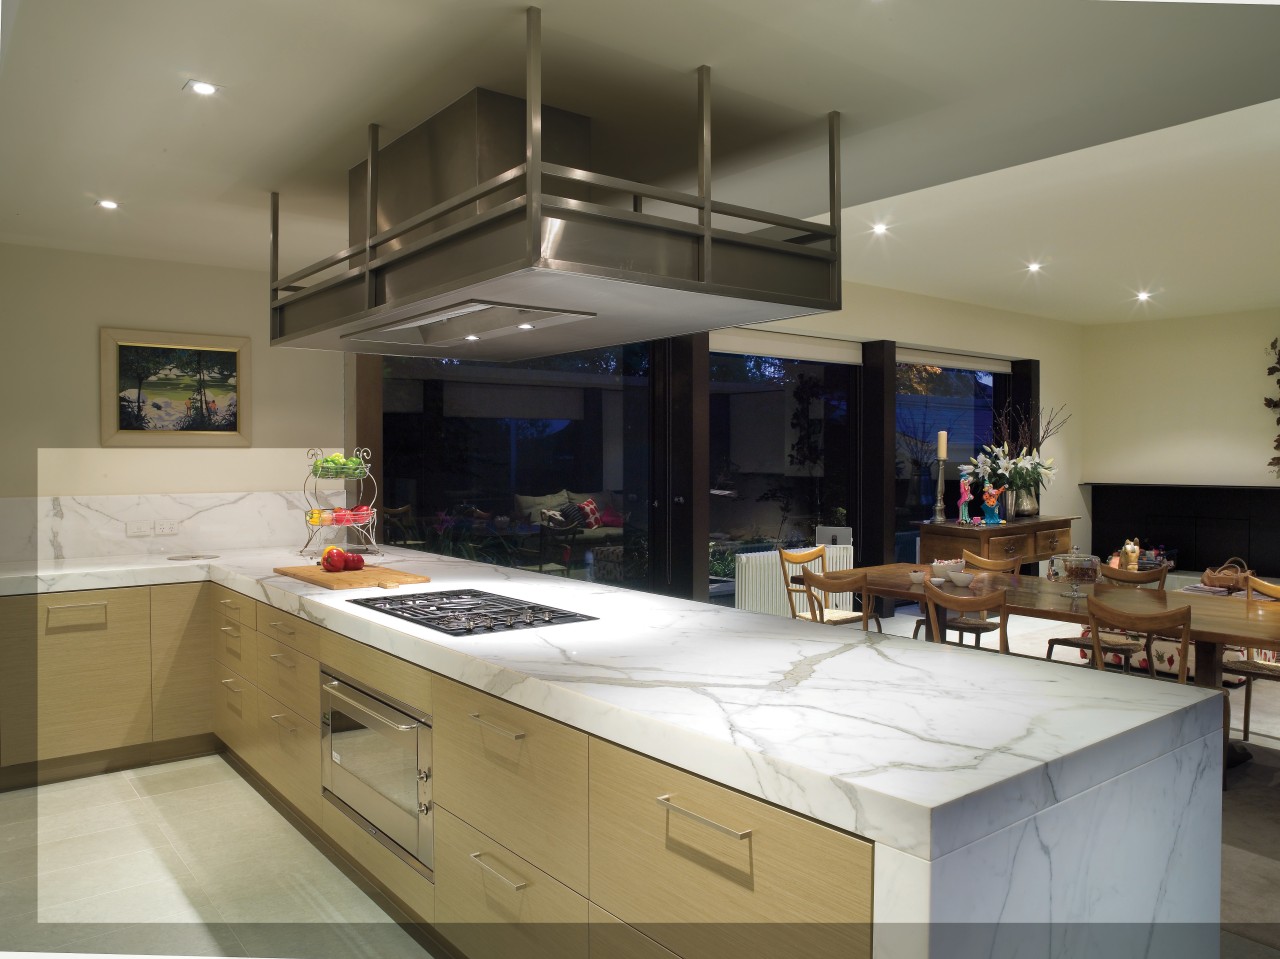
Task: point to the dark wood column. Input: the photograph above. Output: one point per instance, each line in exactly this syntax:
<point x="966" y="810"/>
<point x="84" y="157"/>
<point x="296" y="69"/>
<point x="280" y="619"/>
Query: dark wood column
<point x="364" y="415"/>
<point x="877" y="449"/>
<point x="679" y="521"/>
<point x="1021" y="387"/>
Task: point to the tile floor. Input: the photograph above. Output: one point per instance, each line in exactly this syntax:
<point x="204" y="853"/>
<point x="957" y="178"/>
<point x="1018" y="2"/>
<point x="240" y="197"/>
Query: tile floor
<point x="186" y="859"/>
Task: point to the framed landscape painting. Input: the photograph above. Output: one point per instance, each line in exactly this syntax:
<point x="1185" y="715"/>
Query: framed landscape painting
<point x="174" y="389"/>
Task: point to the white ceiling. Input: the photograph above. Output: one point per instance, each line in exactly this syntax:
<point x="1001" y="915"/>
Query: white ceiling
<point x="934" y="98"/>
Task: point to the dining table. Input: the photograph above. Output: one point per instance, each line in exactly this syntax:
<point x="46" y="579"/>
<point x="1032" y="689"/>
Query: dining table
<point x="1216" y="621"/>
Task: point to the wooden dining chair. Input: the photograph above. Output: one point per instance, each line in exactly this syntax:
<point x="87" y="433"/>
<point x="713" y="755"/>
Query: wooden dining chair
<point x="1251" y="667"/>
<point x="1124" y="631"/>
<point x="936" y="599"/>
<point x="818" y="589"/>
<point x="793" y="561"/>
<point x="1009" y="564"/>
<point x="978" y="625"/>
<point x="1113" y="642"/>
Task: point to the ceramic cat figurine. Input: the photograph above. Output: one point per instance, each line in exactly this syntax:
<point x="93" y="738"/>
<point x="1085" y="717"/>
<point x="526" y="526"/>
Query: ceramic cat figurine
<point x="1129" y="555"/>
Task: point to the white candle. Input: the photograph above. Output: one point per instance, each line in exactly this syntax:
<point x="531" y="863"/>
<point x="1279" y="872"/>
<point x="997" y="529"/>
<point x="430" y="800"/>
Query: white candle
<point x="942" y="444"/>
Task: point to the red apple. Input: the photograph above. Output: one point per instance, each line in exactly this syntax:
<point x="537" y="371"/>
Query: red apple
<point x="342" y="517"/>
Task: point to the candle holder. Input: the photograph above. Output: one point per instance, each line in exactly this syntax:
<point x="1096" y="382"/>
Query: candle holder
<point x="938" y="515"/>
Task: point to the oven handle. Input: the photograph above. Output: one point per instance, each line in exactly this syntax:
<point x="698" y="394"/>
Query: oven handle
<point x="368" y="708"/>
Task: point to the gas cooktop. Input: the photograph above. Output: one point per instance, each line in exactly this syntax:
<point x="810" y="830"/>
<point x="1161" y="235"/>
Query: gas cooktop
<point x="460" y="612"/>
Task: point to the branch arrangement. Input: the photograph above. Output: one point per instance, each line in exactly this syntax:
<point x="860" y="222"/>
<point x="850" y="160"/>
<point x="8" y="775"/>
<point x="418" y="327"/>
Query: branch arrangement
<point x="1271" y="402"/>
<point x="1030" y="429"/>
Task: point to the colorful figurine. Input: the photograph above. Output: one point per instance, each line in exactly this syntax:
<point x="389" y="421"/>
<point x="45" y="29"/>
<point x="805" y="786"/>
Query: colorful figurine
<point x="990" y="498"/>
<point x="966" y="494"/>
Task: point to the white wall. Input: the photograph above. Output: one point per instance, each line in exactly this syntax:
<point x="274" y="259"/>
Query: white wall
<point x="1180" y="401"/>
<point x="53" y="304"/>
<point x="928" y="323"/>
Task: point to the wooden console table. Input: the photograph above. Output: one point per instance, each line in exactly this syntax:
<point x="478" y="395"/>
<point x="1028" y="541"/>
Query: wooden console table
<point x="1033" y="538"/>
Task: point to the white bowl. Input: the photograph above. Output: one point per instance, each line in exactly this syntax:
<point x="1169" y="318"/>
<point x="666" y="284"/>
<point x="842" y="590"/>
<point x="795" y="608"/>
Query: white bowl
<point x="943" y="567"/>
<point x="938" y="580"/>
<point x="960" y="577"/>
<point x="916" y="575"/>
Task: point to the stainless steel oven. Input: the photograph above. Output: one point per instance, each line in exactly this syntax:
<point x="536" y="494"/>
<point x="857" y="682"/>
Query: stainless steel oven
<point x="377" y="767"/>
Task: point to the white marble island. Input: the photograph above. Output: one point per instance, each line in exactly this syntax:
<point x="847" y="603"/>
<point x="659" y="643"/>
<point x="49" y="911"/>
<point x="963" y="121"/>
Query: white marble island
<point x="1017" y="807"/>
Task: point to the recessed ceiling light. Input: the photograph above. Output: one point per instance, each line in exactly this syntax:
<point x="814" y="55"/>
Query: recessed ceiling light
<point x="108" y="204"/>
<point x="1143" y="296"/>
<point x="879" y="229"/>
<point x="202" y="87"/>
<point x="525" y="326"/>
<point x="1033" y="267"/>
<point x="471" y="336"/>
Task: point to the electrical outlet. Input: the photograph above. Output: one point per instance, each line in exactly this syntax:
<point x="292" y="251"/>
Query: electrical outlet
<point x="139" y="527"/>
<point x="167" y="527"/>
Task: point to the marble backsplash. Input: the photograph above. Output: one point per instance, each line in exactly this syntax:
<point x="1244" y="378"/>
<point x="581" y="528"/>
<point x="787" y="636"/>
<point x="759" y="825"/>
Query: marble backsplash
<point x="76" y="527"/>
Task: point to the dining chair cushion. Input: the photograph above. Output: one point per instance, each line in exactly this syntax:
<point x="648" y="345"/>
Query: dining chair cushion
<point x="833" y="617"/>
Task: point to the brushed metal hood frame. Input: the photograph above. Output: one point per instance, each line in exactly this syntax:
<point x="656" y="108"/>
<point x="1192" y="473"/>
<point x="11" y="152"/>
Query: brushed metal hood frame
<point x="574" y="247"/>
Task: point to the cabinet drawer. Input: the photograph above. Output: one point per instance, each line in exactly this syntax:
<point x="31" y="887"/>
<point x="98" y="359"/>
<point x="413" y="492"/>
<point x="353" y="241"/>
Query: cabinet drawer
<point x="709" y="872"/>
<point x="516" y="776"/>
<point x="609" y="937"/>
<point x="378" y="670"/>
<point x="229" y="603"/>
<point x="290" y="677"/>
<point x="1050" y="541"/>
<point x="235" y="712"/>
<point x="494" y="905"/>
<point x="935" y="548"/>
<point x="1007" y="547"/>
<point x="291" y="630"/>
<point x="235" y="646"/>
<point x="416" y="893"/>
<point x="289" y="755"/>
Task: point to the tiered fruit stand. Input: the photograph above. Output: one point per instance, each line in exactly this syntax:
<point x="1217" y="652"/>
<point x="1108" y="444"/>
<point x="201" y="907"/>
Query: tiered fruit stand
<point x="340" y="526"/>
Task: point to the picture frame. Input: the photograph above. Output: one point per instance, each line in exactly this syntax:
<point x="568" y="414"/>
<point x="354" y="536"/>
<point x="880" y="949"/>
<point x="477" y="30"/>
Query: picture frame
<point x="174" y="389"/>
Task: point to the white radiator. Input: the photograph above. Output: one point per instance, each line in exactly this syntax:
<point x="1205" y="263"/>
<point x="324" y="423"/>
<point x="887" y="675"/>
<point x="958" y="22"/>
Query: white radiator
<point x="759" y="585"/>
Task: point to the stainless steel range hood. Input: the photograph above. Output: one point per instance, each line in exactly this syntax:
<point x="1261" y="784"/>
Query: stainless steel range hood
<point x="483" y="234"/>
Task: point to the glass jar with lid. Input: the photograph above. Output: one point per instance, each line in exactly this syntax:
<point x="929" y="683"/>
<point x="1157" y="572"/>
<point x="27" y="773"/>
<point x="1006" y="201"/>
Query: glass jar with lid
<point x="1075" y="568"/>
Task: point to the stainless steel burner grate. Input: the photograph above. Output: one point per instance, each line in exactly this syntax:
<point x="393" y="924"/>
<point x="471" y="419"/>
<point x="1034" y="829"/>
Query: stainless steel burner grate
<point x="460" y="612"/>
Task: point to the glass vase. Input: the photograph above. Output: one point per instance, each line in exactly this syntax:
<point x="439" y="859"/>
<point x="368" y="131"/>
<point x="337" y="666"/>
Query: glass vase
<point x="1026" y="503"/>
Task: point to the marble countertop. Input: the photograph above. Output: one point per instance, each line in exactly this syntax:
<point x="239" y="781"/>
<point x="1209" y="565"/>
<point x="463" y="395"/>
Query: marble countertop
<point x="920" y="747"/>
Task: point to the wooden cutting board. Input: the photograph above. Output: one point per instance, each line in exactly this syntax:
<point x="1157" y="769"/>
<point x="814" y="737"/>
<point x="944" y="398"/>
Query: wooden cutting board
<point x="383" y="576"/>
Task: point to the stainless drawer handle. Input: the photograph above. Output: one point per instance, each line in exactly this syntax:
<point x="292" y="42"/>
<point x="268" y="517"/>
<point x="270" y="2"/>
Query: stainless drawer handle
<point x="371" y="711"/>
<point x="517" y="886"/>
<point x="284" y="629"/>
<point x="666" y="803"/>
<point x="276" y="720"/>
<point x="509" y="733"/>
<point x="229" y="604"/>
<point x="281" y="661"/>
<point x="229" y="629"/>
<point x="79" y="606"/>
<point x="228" y="682"/>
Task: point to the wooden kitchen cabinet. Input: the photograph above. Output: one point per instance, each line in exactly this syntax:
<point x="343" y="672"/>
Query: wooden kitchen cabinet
<point x="608" y="937"/>
<point x="1033" y="538"/>
<point x="709" y="872"/>
<point x="289" y="754"/>
<point x="518" y="777"/>
<point x="492" y="904"/>
<point x="85" y="680"/>
<point x="180" y="701"/>
<point x="235" y="713"/>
